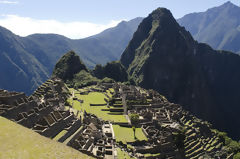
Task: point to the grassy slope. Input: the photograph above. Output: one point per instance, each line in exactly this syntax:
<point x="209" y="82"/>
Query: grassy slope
<point x="18" y="142"/>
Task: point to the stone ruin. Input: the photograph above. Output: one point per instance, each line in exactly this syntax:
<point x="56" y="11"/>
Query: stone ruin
<point x="172" y="132"/>
<point x="96" y="138"/>
<point x="163" y="122"/>
<point x="42" y="111"/>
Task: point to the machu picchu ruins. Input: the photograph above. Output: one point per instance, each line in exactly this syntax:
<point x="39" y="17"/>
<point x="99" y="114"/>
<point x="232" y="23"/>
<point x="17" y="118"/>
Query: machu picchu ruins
<point x="91" y="119"/>
<point x="115" y="81"/>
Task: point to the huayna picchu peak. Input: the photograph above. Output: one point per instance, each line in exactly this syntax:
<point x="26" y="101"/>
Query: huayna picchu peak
<point x="163" y="56"/>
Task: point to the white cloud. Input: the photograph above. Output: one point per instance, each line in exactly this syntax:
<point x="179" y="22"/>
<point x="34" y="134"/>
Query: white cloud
<point x="24" y="26"/>
<point x="9" y="2"/>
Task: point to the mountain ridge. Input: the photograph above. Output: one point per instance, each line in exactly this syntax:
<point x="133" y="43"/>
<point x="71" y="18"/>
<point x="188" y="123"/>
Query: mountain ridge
<point x="218" y="26"/>
<point x="169" y="60"/>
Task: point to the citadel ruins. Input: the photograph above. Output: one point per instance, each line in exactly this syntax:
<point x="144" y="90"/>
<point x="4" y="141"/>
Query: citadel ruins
<point x="171" y="132"/>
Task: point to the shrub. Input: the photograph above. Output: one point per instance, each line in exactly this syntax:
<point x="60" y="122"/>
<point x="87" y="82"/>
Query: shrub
<point x="237" y="156"/>
<point x="134" y="118"/>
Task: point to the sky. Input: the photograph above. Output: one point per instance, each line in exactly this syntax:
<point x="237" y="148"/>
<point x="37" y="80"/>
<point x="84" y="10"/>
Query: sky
<point x="82" y="18"/>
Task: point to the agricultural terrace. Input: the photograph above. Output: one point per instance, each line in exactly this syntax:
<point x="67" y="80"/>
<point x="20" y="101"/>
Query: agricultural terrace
<point x="94" y="98"/>
<point x="126" y="134"/>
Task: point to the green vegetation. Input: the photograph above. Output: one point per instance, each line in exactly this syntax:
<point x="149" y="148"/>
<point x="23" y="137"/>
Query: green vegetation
<point x="22" y="143"/>
<point x="68" y="65"/>
<point x="151" y="155"/>
<point x="83" y="78"/>
<point x="61" y="134"/>
<point x="125" y="134"/>
<point x="122" y="155"/>
<point x="237" y="156"/>
<point x="148" y="60"/>
<point x="114" y="70"/>
<point x="134" y="118"/>
<point x="72" y="70"/>
<point x="107" y="80"/>
<point x="231" y="145"/>
<point x="95" y="98"/>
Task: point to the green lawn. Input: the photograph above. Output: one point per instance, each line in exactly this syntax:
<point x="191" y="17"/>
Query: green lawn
<point x="122" y="155"/>
<point x="151" y="155"/>
<point x="18" y="142"/>
<point x="96" y="98"/>
<point x="125" y="134"/>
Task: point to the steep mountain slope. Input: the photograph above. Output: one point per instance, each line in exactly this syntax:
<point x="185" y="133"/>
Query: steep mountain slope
<point x="26" y="62"/>
<point x="68" y="65"/>
<point x="22" y="143"/>
<point x="73" y="71"/>
<point x="19" y="70"/>
<point x="163" y="56"/>
<point x="114" y="70"/>
<point x="219" y="26"/>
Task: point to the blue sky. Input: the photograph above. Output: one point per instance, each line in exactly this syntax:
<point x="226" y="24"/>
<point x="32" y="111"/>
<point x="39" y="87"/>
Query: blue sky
<point x="82" y="18"/>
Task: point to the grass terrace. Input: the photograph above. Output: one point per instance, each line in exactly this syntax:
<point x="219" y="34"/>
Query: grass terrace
<point x="18" y="142"/>
<point x="123" y="155"/>
<point x="95" y="98"/>
<point x="125" y="134"/>
<point x="61" y="134"/>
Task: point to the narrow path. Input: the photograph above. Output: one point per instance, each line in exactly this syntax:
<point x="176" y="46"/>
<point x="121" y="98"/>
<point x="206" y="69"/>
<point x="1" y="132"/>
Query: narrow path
<point x="70" y="138"/>
<point x="129" y="121"/>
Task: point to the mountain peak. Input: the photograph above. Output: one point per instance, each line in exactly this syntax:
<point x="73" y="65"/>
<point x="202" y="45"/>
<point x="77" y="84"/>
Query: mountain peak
<point x="161" y="13"/>
<point x="68" y="65"/>
<point x="159" y="27"/>
<point x="217" y="26"/>
<point x="229" y="3"/>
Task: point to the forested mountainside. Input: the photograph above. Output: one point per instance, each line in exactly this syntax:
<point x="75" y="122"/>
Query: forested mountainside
<point x="163" y="56"/>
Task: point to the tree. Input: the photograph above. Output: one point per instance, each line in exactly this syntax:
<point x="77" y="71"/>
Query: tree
<point x="134" y="131"/>
<point x="134" y="120"/>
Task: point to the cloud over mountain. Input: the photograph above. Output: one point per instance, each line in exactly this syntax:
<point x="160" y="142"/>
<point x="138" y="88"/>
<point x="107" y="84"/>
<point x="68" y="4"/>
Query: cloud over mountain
<point x="24" y="26"/>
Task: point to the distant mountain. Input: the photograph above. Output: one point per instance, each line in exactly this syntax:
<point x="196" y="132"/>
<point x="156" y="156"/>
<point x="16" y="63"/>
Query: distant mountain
<point x="218" y="27"/>
<point x="98" y="49"/>
<point x="19" y="69"/>
<point x="163" y="56"/>
<point x="26" y="62"/>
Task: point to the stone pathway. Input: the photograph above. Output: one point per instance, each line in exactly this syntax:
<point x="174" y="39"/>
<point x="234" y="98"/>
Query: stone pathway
<point x="70" y="138"/>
